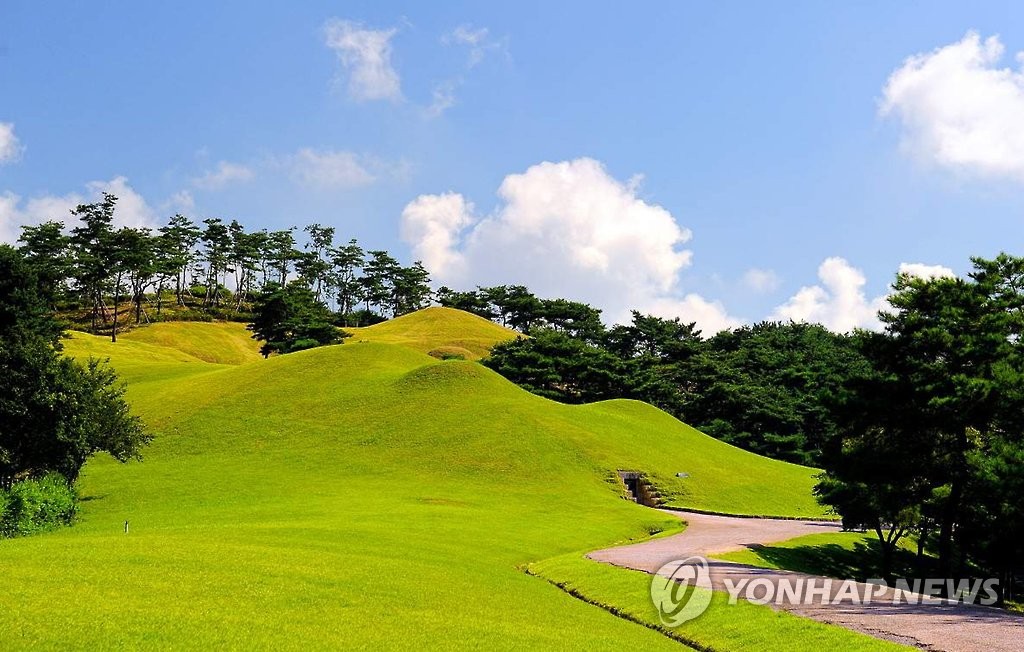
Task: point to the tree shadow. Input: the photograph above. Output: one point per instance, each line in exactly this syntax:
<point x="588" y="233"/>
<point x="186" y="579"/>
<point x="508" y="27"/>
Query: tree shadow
<point x="862" y="562"/>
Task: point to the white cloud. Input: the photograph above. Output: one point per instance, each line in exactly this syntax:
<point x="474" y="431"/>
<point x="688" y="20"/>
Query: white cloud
<point x="366" y="55"/>
<point x="467" y="35"/>
<point x="181" y="201"/>
<point x="479" y="44"/>
<point x="563" y="229"/>
<point x="477" y="40"/>
<point x="328" y="169"/>
<point x="443" y="98"/>
<point x="761" y="280"/>
<point x="927" y="272"/>
<point x="711" y="316"/>
<point x="959" y="109"/>
<point x="225" y="173"/>
<point x="132" y="209"/>
<point x="432" y="223"/>
<point x="10" y="217"/>
<point x="838" y="303"/>
<point x="10" y="146"/>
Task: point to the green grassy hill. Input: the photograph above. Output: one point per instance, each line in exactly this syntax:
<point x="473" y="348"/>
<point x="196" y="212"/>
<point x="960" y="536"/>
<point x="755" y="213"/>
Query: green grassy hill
<point x="359" y="495"/>
<point x="438" y="329"/>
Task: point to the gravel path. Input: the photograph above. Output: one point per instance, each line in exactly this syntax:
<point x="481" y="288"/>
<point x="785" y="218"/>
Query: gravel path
<point x="931" y="625"/>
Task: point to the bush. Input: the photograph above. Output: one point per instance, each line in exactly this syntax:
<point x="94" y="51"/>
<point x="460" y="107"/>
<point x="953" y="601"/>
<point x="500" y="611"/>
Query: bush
<point x="450" y="353"/>
<point x="360" y="318"/>
<point x="37" y="505"/>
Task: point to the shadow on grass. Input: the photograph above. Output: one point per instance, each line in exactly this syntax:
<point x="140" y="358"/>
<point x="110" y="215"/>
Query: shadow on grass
<point x="861" y="562"/>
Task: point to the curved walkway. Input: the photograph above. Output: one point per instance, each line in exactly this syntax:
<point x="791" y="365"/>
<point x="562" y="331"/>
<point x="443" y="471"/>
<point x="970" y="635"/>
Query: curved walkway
<point x="932" y="624"/>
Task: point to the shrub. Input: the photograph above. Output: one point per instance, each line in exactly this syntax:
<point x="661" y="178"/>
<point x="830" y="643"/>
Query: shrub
<point x="302" y="345"/>
<point x="37" y="505"/>
<point x="450" y="353"/>
<point x="359" y="318"/>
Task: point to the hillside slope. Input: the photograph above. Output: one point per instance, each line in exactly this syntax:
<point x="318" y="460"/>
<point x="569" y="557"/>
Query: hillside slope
<point x="359" y="495"/>
<point x="436" y="328"/>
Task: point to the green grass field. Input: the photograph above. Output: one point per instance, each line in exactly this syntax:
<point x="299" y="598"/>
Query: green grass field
<point x="846" y="555"/>
<point x="436" y="328"/>
<point x="742" y="626"/>
<point x="360" y="495"/>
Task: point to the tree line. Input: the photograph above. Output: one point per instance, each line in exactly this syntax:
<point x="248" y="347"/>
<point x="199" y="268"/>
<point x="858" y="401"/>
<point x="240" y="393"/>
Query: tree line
<point x="210" y="269"/>
<point x="931" y="431"/>
<point x="919" y="428"/>
<point x="761" y="387"/>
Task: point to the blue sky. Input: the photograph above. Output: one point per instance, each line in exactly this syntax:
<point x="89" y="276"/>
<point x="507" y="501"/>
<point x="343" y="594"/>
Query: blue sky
<point x="722" y="163"/>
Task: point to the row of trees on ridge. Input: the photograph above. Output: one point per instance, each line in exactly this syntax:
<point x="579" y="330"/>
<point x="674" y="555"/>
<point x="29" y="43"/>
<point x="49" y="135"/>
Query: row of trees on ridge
<point x="98" y="266"/>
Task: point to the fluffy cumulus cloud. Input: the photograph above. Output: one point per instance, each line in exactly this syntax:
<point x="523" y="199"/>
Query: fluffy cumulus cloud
<point x="960" y="109"/>
<point x="15" y="212"/>
<point x="839" y="301"/>
<point x="564" y="229"/>
<point x="225" y="173"/>
<point x="10" y="146"/>
<point x="328" y="169"/>
<point x="365" y="55"/>
<point x="921" y="270"/>
<point x="432" y="224"/>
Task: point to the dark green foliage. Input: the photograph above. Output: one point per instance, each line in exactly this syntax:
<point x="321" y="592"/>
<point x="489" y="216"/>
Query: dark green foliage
<point x="24" y="311"/>
<point x="57" y="413"/>
<point x="54" y="413"/>
<point x="348" y="261"/>
<point x="177" y="246"/>
<point x="314" y="266"/>
<point x="93" y="246"/>
<point x="516" y="307"/>
<point x="471" y="301"/>
<point x="37" y="505"/>
<point x="931" y="437"/>
<point x="557" y="366"/>
<point x="765" y="387"/>
<point x="411" y="287"/>
<point x="135" y="261"/>
<point x="98" y="266"/>
<point x="361" y="318"/>
<point x="216" y="240"/>
<point x="47" y="251"/>
<point x="289" y="318"/>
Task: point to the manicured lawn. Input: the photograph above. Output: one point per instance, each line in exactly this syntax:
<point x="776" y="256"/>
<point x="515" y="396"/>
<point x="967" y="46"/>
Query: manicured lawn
<point x="742" y="626"/>
<point x="360" y="495"/>
<point x="438" y="328"/>
<point x="845" y="555"/>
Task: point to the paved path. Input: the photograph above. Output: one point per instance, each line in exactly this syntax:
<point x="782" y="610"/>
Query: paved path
<point x="931" y="625"/>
